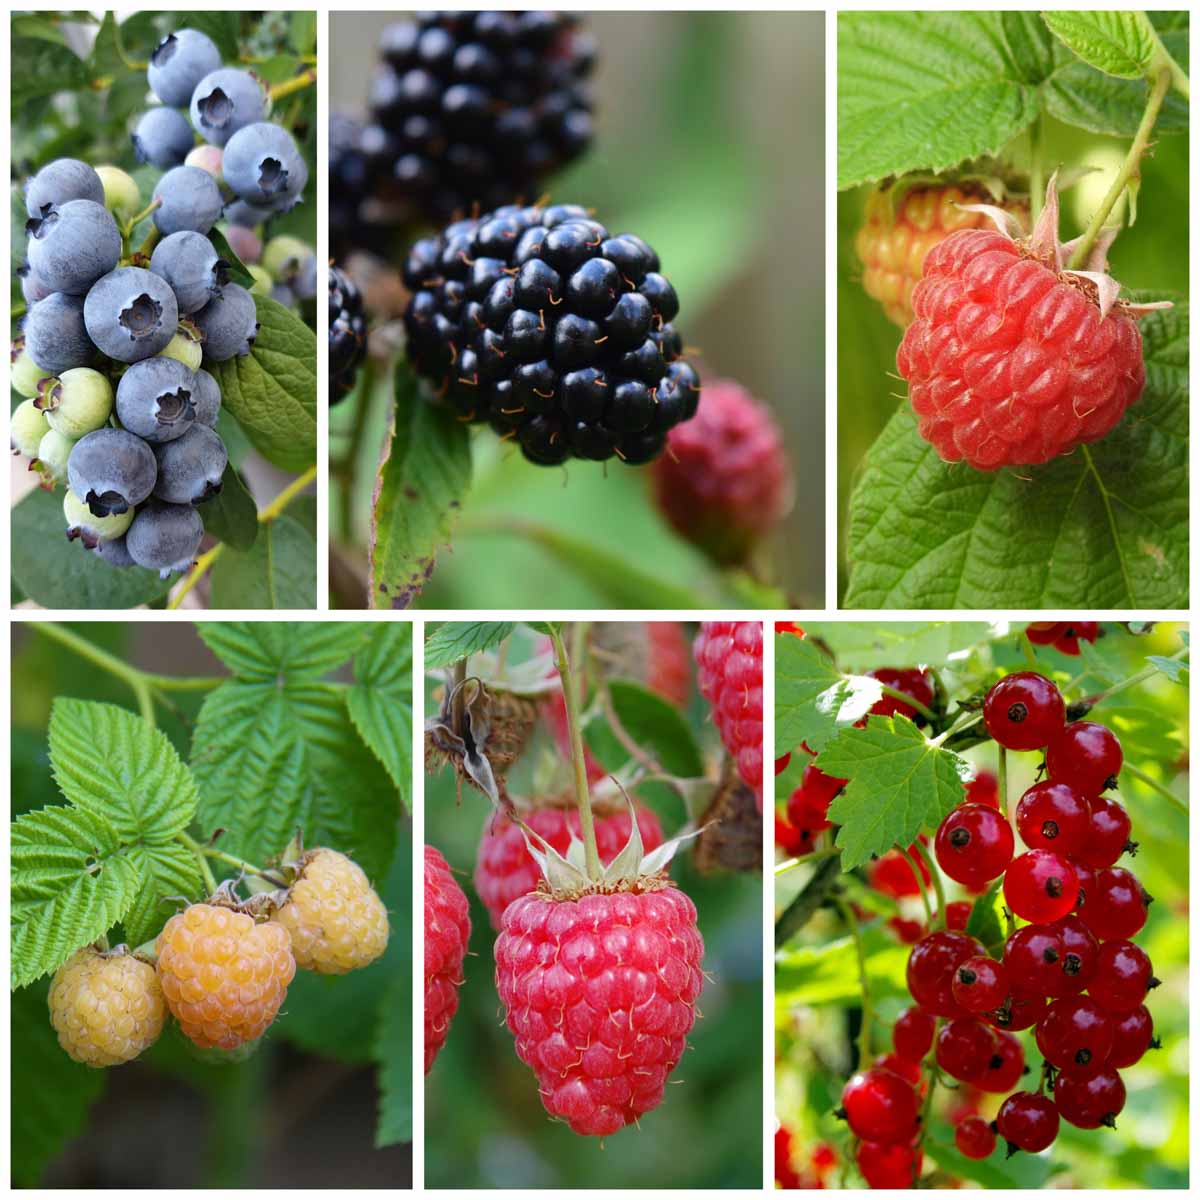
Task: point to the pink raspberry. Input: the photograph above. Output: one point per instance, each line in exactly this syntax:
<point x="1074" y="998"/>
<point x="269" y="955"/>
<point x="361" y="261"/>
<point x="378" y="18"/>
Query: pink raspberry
<point x="601" y="993"/>
<point x="504" y="869"/>
<point x="724" y="481"/>
<point x="729" y="661"/>
<point x="447" y="931"/>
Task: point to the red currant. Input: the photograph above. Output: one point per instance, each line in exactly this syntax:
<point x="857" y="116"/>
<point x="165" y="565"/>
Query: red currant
<point x="958" y="913"/>
<point x="980" y="984"/>
<point x="905" y="1068"/>
<point x="984" y="789"/>
<point x="1133" y="1035"/>
<point x="1079" y="959"/>
<point x="889" y="1165"/>
<point x="1124" y="975"/>
<point x="912" y="1035"/>
<point x="1087" y="756"/>
<point x="1075" y="1034"/>
<point x="1090" y="1099"/>
<point x="1041" y="885"/>
<point x="819" y="785"/>
<point x="880" y="1106"/>
<point x="1086" y="878"/>
<point x="1005" y="1067"/>
<point x="1108" y="834"/>
<point x="1027" y="1121"/>
<point x="974" y="844"/>
<point x="808" y="811"/>
<point x="931" y="967"/>
<point x="790" y="840"/>
<point x="964" y="1048"/>
<point x="1053" y="816"/>
<point x="1023" y="711"/>
<point x="975" y="1138"/>
<point x="1021" y="1012"/>
<point x="781" y="763"/>
<point x="1034" y="958"/>
<point x="915" y="683"/>
<point x="892" y="875"/>
<point x="1043" y="633"/>
<point x="907" y="931"/>
<point x="1118" y="906"/>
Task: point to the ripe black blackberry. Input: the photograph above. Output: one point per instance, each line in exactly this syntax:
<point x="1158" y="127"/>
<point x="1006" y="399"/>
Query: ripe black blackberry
<point x="558" y="334"/>
<point x="353" y="177"/>
<point x="347" y="334"/>
<point x="473" y="109"/>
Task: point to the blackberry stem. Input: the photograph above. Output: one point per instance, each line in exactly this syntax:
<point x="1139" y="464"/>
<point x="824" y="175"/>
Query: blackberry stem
<point x="571" y="694"/>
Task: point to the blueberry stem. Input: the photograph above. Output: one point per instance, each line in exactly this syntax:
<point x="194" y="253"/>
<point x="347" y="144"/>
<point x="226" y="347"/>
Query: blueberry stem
<point x="136" y="220"/>
<point x="296" y="84"/>
<point x="571" y="694"/>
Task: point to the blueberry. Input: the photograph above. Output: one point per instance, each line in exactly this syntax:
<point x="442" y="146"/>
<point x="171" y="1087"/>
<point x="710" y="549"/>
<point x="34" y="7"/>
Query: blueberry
<point x="111" y="470"/>
<point x="284" y="258"/>
<point x="179" y="62"/>
<point x="76" y="402"/>
<point x="72" y="245"/>
<point x="155" y="399"/>
<point x="165" y="537"/>
<point x="131" y="314"/>
<point x="190" y="468"/>
<point x="188" y="262"/>
<point x="185" y="346"/>
<point x="62" y="180"/>
<point x="23" y="373"/>
<point x="207" y="399"/>
<point x="51" y="459"/>
<point x="114" y="551"/>
<point x="244" y="242"/>
<point x="89" y="528"/>
<point x="122" y="196"/>
<point x="26" y="427"/>
<point x="207" y="158"/>
<point x="56" y="335"/>
<point x="305" y="283"/>
<point x="264" y="167"/>
<point x="162" y="137"/>
<point x="190" y="200"/>
<point x="33" y="288"/>
<point x="248" y="216"/>
<point x="224" y="102"/>
<point x="282" y="294"/>
<point x="228" y="324"/>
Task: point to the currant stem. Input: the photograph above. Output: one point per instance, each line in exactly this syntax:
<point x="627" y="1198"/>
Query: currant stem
<point x="789" y="864"/>
<point x="1030" y="655"/>
<point x="137" y="681"/>
<point x="864" y="1036"/>
<point x="1133" y="680"/>
<point x="912" y="862"/>
<point x="571" y="694"/>
<point x="931" y="866"/>
<point x="911" y="701"/>
<point x="1155" y="786"/>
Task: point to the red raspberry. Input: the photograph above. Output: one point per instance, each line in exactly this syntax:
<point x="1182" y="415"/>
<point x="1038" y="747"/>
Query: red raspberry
<point x="781" y="763"/>
<point x="975" y="1138"/>
<point x="601" y="994"/>
<point x="890" y="1165"/>
<point x="447" y="931"/>
<point x="224" y="975"/>
<point x="724" y="481"/>
<point x="505" y="870"/>
<point x="729" y="661"/>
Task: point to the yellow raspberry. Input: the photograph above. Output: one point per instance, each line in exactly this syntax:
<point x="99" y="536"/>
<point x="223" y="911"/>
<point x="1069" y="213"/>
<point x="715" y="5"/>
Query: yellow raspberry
<point x="106" y="1007"/>
<point x="224" y="976"/>
<point x="336" y="920"/>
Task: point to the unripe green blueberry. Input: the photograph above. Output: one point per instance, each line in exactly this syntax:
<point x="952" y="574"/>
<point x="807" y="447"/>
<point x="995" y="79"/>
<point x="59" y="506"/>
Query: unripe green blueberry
<point x="262" y="280"/>
<point x="207" y="158"/>
<point x="27" y="427"/>
<point x="24" y="372"/>
<point x="283" y="257"/>
<point x="52" y="454"/>
<point x="122" y="196"/>
<point x="184" y="347"/>
<point x="76" y="402"/>
<point x="82" y="523"/>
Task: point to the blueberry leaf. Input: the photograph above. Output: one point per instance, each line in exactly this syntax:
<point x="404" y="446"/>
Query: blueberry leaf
<point x="231" y="516"/>
<point x="278" y="571"/>
<point x="237" y="271"/>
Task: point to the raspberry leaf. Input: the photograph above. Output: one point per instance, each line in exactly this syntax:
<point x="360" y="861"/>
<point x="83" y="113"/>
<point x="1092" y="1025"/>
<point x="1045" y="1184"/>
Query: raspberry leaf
<point x="380" y="702"/>
<point x="295" y="650"/>
<point x="1117" y="43"/>
<point x="813" y="699"/>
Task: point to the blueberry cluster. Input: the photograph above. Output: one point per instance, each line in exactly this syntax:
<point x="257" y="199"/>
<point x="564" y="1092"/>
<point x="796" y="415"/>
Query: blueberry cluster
<point x="347" y="334"/>
<point x="557" y="333"/>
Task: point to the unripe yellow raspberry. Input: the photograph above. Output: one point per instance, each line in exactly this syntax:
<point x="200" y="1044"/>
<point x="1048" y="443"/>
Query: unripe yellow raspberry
<point x="224" y="975"/>
<point x="336" y="920"/>
<point x="106" y="1007"/>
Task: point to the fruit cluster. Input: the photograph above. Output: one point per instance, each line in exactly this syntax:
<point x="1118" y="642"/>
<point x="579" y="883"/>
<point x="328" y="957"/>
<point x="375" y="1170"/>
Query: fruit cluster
<point x="347" y="334"/>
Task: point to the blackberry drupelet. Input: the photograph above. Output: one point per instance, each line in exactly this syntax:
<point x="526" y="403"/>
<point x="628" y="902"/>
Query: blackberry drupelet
<point x="557" y="333"/>
<point x="347" y="334"/>
<point x="476" y="108"/>
<point x="353" y="176"/>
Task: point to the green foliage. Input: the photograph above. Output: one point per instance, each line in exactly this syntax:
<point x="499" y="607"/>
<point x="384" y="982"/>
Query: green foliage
<point x="380" y="702"/>
<point x="456" y="640"/>
<point x="649" y="722"/>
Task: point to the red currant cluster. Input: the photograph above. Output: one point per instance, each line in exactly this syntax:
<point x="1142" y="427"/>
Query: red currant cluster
<point x="807" y="812"/>
<point x="1064" y="636"/>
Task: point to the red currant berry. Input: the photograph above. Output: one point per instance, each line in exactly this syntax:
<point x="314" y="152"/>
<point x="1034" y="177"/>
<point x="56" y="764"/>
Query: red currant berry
<point x="980" y="984"/>
<point x="1118" y="905"/>
<point x="1075" y="1034"/>
<point x="1086" y="877"/>
<point x="1108" y="834"/>
<point x="1005" y="1067"/>
<point x="905" y="1068"/>
<point x="1033" y="956"/>
<point x="889" y="1165"/>
<point x="1079" y="954"/>
<point x="964" y="1048"/>
<point x="1044" y="633"/>
<point x="931" y="967"/>
<point x="1090" y="1099"/>
<point x="1133" y="1035"/>
<point x="974" y="844"/>
<point x="1027" y="1121"/>
<point x="915" y="683"/>
<point x="1023" y="711"/>
<point x="984" y="789"/>
<point x="958" y="913"/>
<point x="892" y="875"/>
<point x="1074" y="632"/>
<point x="909" y="932"/>
<point x="1087" y="756"/>
<point x="1041" y="886"/>
<point x="807" y="811"/>
<point x="1124" y="975"/>
<point x="790" y="840"/>
<point x="1018" y="1012"/>
<point x="880" y="1106"/>
<point x="821" y="786"/>
<point x="781" y="763"/>
<point x="975" y="1138"/>
<point x="1053" y="816"/>
<point x="824" y="1156"/>
<point x="912" y="1035"/>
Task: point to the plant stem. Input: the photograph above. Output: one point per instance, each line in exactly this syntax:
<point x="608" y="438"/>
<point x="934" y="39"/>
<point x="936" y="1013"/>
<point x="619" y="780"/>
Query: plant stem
<point x="1037" y="172"/>
<point x="1030" y="655"/>
<point x="1154" y="785"/>
<point x="937" y="881"/>
<point x="789" y="864"/>
<point x="134" y="221"/>
<point x="964" y="722"/>
<point x="296" y="84"/>
<point x="911" y="701"/>
<point x="868" y="1014"/>
<point x="348" y="470"/>
<point x="1133" y="680"/>
<point x="192" y="683"/>
<point x="137" y="682"/>
<point x="920" y="885"/>
<point x="194" y="846"/>
<point x="571" y="694"/>
<point x="246" y="868"/>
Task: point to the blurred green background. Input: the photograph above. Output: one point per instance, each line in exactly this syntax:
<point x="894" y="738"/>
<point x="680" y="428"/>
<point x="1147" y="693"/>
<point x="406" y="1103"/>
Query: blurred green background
<point x="1152" y="254"/>
<point x="709" y="144"/>
<point x="485" y="1126"/>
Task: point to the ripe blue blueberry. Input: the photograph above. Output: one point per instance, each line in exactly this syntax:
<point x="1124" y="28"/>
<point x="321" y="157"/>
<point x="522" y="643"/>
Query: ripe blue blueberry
<point x="190" y="199"/>
<point x="72" y="245"/>
<point x="111" y="470"/>
<point x="190" y="264"/>
<point x="114" y="552"/>
<point x="89" y="528"/>
<point x="207" y="398"/>
<point x="179" y="62"/>
<point x="165" y="537"/>
<point x="264" y="167"/>
<point x="162" y="137"/>
<point x="62" y="180"/>
<point x="33" y="289"/>
<point x="190" y="468"/>
<point x="224" y="102"/>
<point x="155" y="399"/>
<point x="56" y="335"/>
<point x="248" y="216"/>
<point x="131" y="314"/>
<point x="228" y="324"/>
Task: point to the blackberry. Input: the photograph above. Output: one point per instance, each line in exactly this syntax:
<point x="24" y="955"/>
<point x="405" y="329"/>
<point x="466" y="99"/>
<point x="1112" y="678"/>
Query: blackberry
<point x="353" y="176"/>
<point x="473" y="109"/>
<point x="347" y="334"/>
<point x="558" y="334"/>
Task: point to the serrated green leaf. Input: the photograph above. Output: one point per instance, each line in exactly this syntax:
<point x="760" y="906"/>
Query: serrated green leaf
<point x="813" y="699"/>
<point x="279" y="571"/>
<point x="456" y="640"/>
<point x="166" y="869"/>
<point x="1176" y="670"/>
<point x="653" y="723"/>
<point x="380" y="701"/>
<point x="1117" y="43"/>
<point x="819" y="977"/>
<point x="861" y="647"/>
<point x="1079" y="95"/>
<point x="231" y="516"/>
<point x="289" y="650"/>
